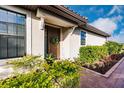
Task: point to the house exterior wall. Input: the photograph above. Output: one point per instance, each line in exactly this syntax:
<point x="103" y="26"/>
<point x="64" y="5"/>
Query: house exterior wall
<point x="37" y="36"/>
<point x="70" y="42"/>
<point x="94" y="39"/>
<point x="34" y="31"/>
<point x="75" y="43"/>
<point x="65" y="43"/>
<point x="28" y="24"/>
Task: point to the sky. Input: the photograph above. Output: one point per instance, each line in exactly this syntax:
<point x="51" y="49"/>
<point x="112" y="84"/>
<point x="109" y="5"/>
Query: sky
<point x="108" y="18"/>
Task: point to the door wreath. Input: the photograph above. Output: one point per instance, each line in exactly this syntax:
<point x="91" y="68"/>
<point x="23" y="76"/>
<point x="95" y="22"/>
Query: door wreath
<point x="54" y="40"/>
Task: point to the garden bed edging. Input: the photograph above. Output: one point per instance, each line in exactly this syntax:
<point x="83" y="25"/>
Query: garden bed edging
<point x="109" y="72"/>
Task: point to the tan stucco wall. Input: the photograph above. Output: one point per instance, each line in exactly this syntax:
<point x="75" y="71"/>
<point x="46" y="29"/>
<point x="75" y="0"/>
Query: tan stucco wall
<point x="37" y="36"/>
<point x="70" y="43"/>
<point x="93" y="39"/>
<point x="65" y="43"/>
<point x="75" y="43"/>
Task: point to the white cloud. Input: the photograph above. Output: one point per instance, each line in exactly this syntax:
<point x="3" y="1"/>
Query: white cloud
<point x="105" y="24"/>
<point x="115" y="9"/>
<point x="117" y="18"/>
<point x="118" y="38"/>
<point x="122" y="31"/>
<point x="109" y="25"/>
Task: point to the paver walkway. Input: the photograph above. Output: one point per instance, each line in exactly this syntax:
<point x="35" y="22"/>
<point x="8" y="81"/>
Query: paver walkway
<point x="115" y="80"/>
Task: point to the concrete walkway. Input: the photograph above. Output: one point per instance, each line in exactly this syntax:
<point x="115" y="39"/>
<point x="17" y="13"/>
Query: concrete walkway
<point x="5" y="69"/>
<point x="115" y="80"/>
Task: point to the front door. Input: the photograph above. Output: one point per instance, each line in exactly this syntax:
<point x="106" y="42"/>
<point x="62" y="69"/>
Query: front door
<point x="52" y="40"/>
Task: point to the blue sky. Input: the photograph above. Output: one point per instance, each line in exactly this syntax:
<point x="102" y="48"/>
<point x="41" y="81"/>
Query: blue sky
<point x="108" y="18"/>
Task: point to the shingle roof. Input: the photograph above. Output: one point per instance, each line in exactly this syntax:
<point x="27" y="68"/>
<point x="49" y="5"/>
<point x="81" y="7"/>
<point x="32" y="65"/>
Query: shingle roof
<point x="68" y="14"/>
<point x="58" y="10"/>
<point x="95" y="30"/>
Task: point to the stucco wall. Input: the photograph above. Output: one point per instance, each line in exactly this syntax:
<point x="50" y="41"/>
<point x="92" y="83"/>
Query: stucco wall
<point x="93" y="39"/>
<point x="75" y="43"/>
<point x="37" y="36"/>
<point x="65" y="43"/>
<point x="70" y="43"/>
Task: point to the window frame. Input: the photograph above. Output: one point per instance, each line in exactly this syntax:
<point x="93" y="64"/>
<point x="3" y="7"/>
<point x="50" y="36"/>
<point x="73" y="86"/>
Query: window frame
<point x="15" y="35"/>
<point x="82" y="37"/>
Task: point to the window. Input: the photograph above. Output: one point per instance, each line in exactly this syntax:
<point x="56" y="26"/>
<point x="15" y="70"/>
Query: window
<point x="12" y="34"/>
<point x="20" y="19"/>
<point x="3" y="27"/>
<point x="12" y="28"/>
<point x="11" y="17"/>
<point x="3" y="46"/>
<point x="3" y="15"/>
<point x="83" y="37"/>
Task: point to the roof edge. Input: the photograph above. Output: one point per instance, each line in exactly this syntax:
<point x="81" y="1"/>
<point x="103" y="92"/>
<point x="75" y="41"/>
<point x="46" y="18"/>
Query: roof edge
<point x="65" y="12"/>
<point x="95" y="30"/>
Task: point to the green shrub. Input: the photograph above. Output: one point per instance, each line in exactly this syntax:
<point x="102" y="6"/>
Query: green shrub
<point x="122" y="51"/>
<point x="49" y="58"/>
<point x="28" y="62"/>
<point x="62" y="73"/>
<point x="113" y="47"/>
<point x="90" y="54"/>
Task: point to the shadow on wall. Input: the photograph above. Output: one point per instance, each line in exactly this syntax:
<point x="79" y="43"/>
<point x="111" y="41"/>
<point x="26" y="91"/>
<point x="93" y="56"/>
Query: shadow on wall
<point x="76" y="31"/>
<point x="67" y="31"/>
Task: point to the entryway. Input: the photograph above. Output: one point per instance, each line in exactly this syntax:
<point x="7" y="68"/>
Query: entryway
<point x="52" y="41"/>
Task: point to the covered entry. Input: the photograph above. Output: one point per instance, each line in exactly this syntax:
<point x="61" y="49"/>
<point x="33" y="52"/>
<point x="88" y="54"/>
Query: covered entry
<point x="57" y="34"/>
<point x="52" y="41"/>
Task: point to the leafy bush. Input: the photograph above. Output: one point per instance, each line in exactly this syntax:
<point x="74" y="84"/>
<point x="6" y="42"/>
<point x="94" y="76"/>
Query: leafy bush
<point x="113" y="47"/>
<point x="62" y="73"/>
<point x="105" y="64"/>
<point x="122" y="51"/>
<point x="28" y="62"/>
<point x="90" y="54"/>
<point x="49" y="58"/>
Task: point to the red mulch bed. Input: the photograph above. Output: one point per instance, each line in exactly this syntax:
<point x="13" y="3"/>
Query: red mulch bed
<point x="105" y="64"/>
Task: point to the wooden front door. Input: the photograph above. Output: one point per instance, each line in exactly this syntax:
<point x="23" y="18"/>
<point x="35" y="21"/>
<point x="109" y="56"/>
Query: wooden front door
<point x="53" y="41"/>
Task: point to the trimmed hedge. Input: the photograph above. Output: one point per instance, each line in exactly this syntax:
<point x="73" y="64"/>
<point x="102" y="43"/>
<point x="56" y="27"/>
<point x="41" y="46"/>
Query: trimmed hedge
<point x="90" y="54"/>
<point x="113" y="47"/>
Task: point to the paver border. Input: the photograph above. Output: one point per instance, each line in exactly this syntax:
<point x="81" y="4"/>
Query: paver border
<point x="109" y="72"/>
